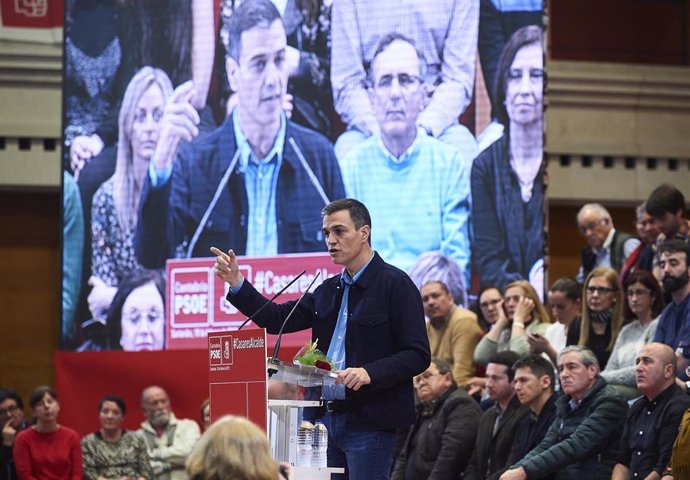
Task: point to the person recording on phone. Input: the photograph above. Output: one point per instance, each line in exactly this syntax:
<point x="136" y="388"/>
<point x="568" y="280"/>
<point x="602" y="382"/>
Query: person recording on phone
<point x="258" y="182"/>
<point x="370" y="318"/>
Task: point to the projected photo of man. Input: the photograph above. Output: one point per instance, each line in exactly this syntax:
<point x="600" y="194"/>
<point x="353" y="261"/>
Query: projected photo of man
<point x="507" y="178"/>
<point x="401" y="171"/>
<point x="259" y="181"/>
<point x="444" y="31"/>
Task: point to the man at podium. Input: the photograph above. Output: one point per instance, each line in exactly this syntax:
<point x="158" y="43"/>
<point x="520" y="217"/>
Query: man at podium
<point x="371" y="320"/>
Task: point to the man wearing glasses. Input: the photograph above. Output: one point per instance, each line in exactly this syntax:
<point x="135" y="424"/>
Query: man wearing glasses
<point x="403" y="171"/>
<point x="442" y="439"/>
<point x="606" y="247"/>
<point x="12" y="422"/>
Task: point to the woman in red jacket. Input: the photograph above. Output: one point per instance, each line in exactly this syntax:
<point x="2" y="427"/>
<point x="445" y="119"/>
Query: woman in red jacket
<point x="47" y="451"/>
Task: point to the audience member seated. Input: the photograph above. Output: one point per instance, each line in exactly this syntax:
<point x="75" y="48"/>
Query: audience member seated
<point x="452" y="330"/>
<point x="565" y="300"/>
<point x="534" y="386"/>
<point x="497" y="425"/>
<point x="442" y="438"/>
<point x="602" y="314"/>
<point x="12" y="422"/>
<point x="113" y="453"/>
<point x="259" y="181"/>
<point x="47" y="450"/>
<point x="490" y="302"/>
<point x="607" y="247"/>
<point x="234" y="448"/>
<point x="508" y="177"/>
<point x="645" y="301"/>
<point x="642" y="258"/>
<point x="205" y="415"/>
<point x="169" y="440"/>
<point x="524" y="313"/>
<point x="402" y="158"/>
<point x="582" y="443"/>
<point x="652" y="423"/>
<point x="115" y="207"/>
<point x="679" y="466"/>
<point x="673" y="328"/>
<point x="446" y="35"/>
<point x="666" y="205"/>
<point x="437" y="266"/>
<point x="136" y="319"/>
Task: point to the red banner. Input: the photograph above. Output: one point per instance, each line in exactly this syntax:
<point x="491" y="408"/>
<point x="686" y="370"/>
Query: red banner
<point x="31" y="13"/>
<point x="196" y="303"/>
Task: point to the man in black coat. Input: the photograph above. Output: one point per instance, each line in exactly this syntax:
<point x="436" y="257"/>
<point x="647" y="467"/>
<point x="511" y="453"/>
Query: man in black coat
<point x="498" y="424"/>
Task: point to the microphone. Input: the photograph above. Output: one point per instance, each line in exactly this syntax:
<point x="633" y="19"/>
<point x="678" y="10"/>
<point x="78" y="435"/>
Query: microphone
<point x="276" y="349"/>
<point x="253" y="315"/>
<point x="212" y="204"/>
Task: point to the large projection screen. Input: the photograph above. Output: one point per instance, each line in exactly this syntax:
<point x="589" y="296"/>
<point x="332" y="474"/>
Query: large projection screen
<point x="186" y="128"/>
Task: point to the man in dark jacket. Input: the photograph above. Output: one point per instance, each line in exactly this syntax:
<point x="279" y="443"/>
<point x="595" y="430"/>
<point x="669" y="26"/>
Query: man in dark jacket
<point x="441" y="441"/>
<point x="534" y="386"/>
<point x="370" y="321"/>
<point x="498" y="424"/>
<point x="11" y="422"/>
<point x="582" y="443"/>
<point x="259" y="181"/>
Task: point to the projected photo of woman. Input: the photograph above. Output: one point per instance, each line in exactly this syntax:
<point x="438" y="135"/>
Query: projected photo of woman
<point x="507" y="178"/>
<point x="136" y="319"/>
<point x="116" y="202"/>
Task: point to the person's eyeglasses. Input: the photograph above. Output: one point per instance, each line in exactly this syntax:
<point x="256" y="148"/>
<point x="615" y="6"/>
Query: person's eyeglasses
<point x="8" y="410"/>
<point x="406" y="81"/>
<point x="559" y="306"/>
<point x="426" y="376"/>
<point x="639" y="293"/>
<point x="490" y="303"/>
<point x="590" y="226"/>
<point x="600" y="290"/>
<point x="535" y="74"/>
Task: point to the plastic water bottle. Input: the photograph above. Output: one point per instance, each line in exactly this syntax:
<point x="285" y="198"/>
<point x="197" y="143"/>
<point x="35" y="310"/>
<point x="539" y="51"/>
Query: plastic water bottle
<point x="304" y="444"/>
<point x="320" y="446"/>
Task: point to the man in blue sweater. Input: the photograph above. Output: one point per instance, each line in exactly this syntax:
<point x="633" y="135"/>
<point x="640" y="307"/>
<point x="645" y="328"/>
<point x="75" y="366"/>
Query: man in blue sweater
<point x="405" y="171"/>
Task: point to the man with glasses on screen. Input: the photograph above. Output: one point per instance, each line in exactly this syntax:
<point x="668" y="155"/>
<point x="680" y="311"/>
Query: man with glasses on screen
<point x="404" y="172"/>
<point x="606" y="247"/>
<point x="259" y="181"/>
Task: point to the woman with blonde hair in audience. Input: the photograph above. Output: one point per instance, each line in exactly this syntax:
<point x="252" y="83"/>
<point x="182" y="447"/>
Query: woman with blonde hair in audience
<point x="602" y="313"/>
<point x="234" y="448"/>
<point x="645" y="301"/>
<point x="523" y="313"/>
<point x="47" y="451"/>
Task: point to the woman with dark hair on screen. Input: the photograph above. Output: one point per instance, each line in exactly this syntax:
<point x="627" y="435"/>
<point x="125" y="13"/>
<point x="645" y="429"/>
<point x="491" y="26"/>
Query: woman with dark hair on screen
<point x="507" y="177"/>
<point x="644" y="304"/>
<point x="47" y="451"/>
<point x="116" y="203"/>
<point x="136" y="319"/>
<point x="113" y="453"/>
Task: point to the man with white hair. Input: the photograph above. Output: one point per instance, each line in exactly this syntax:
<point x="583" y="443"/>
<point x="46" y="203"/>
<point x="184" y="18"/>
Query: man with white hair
<point x="169" y="440"/>
<point x="606" y="247"/>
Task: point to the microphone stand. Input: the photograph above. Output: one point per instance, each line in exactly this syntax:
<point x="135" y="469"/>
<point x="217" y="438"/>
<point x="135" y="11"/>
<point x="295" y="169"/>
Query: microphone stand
<point x="253" y="315"/>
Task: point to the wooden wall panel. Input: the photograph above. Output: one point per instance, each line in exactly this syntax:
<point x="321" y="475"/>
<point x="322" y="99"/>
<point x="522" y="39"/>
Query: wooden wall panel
<point x="29" y="288"/>
<point x="628" y="31"/>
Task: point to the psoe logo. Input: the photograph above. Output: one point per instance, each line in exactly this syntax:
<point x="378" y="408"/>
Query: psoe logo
<point x="226" y="357"/>
<point x="215" y="351"/>
<point x="31" y="8"/>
